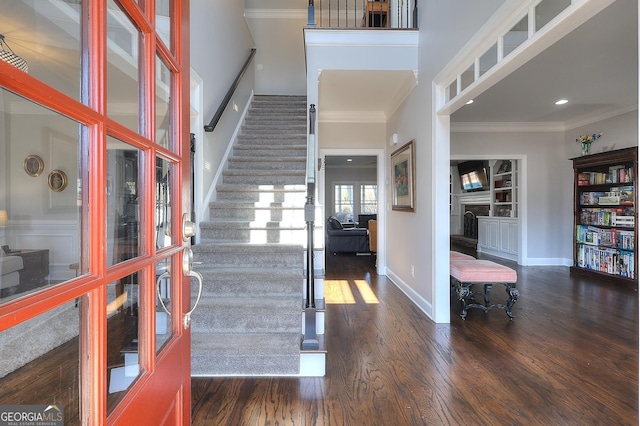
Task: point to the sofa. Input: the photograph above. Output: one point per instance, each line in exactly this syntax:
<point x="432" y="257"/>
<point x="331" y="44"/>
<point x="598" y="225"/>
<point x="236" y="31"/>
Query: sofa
<point x="10" y="267"/>
<point x="346" y="240"/>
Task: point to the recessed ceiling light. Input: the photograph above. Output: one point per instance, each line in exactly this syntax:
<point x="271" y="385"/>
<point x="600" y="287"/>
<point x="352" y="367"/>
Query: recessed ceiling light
<point x="470" y="101"/>
<point x="349" y="160"/>
<point x="562" y="101"/>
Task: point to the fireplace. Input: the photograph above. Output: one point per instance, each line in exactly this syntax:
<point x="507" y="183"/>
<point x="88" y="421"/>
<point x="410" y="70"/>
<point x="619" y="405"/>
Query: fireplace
<point x="470" y="219"/>
<point x="467" y="242"/>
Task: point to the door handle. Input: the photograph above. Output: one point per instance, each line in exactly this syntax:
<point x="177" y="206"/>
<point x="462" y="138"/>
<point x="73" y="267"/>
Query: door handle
<point x="186" y="321"/>
<point x="187" y="263"/>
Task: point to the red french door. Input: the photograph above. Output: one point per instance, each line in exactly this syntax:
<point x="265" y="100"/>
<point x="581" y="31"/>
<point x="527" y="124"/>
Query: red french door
<point x="94" y="184"/>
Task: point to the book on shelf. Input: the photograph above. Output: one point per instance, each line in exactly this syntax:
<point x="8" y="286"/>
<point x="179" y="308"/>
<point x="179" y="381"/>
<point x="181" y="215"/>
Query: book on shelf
<point x="610" y="237"/>
<point x="607" y="216"/>
<point x="608" y="260"/>
<point x="616" y="174"/>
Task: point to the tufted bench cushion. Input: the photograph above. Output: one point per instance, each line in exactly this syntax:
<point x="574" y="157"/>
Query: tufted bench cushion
<point x="481" y="271"/>
<point x="456" y="255"/>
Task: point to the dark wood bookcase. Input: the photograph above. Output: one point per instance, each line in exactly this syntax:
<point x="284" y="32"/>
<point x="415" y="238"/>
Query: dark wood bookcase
<point x="605" y="216"/>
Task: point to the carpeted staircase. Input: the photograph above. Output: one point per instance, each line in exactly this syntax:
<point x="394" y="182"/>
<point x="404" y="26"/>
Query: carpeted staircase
<point x="249" y="319"/>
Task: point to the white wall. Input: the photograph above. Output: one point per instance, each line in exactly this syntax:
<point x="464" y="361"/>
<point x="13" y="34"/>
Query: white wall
<point x="280" y="66"/>
<point x="549" y="197"/>
<point x="444" y="28"/>
<point x="351" y="135"/>
<point x="220" y="45"/>
<point x="618" y="132"/>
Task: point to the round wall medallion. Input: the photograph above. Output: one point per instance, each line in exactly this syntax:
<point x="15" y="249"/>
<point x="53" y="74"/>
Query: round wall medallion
<point x="33" y="165"/>
<point x="57" y="180"/>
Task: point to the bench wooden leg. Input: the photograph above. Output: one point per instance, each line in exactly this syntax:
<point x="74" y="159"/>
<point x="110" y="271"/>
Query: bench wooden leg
<point x="512" y="293"/>
<point x="467" y="297"/>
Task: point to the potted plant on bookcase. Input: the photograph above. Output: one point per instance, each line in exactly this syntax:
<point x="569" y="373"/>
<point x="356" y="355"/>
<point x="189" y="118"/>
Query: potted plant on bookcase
<point x="587" y="140"/>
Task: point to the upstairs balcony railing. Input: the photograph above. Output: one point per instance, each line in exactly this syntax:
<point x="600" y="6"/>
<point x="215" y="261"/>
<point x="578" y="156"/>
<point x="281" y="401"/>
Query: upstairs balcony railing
<point x="367" y="14"/>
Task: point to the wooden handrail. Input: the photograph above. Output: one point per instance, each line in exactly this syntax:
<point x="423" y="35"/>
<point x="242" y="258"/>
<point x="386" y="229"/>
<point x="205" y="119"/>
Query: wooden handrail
<point x="227" y="98"/>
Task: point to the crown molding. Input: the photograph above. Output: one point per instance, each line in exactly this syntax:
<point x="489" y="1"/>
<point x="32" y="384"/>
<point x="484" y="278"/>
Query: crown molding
<point x="506" y="127"/>
<point x="549" y="126"/>
<point x="599" y="115"/>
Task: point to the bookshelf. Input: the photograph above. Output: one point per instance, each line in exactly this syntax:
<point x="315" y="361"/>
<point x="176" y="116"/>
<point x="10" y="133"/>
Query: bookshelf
<point x="498" y="233"/>
<point x="605" y="215"/>
<point x="504" y="188"/>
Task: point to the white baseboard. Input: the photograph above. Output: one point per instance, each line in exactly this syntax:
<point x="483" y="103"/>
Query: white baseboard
<point x="420" y="301"/>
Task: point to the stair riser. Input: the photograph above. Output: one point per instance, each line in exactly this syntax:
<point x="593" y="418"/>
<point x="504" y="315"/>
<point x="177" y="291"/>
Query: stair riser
<point x="295" y="140"/>
<point x="256" y="116"/>
<point x="250" y="365"/>
<point x="266" y="164"/>
<point x="216" y="285"/>
<point x="260" y="216"/>
<point x="232" y="321"/>
<point x="255" y="236"/>
<point x="255" y="151"/>
<point x="249" y="257"/>
<point x="263" y="179"/>
<point x="268" y="131"/>
<point x="258" y="196"/>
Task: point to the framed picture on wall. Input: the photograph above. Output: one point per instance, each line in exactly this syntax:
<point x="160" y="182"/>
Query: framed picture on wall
<point x="403" y="178"/>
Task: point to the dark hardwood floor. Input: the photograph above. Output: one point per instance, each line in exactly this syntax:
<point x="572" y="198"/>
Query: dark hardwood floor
<point x="570" y="357"/>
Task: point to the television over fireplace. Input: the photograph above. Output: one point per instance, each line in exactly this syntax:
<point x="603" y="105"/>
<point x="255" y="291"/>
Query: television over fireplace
<point x="474" y="175"/>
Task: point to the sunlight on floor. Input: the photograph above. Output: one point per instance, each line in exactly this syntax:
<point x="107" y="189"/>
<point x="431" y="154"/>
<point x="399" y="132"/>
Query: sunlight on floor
<point x="338" y="292"/>
<point x="365" y="291"/>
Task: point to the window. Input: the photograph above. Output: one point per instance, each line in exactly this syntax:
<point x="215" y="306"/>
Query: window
<point x="346" y="207"/>
<point x="368" y="199"/>
<point x="343" y="203"/>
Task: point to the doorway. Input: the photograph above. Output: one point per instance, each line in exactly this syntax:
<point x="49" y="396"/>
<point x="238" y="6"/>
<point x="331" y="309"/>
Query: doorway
<point x="349" y="181"/>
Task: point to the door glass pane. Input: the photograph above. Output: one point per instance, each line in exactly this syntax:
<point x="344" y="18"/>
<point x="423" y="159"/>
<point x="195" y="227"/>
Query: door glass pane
<point x="163" y="21"/>
<point x="163" y="303"/>
<point x="123" y="366"/>
<point x="41" y="362"/>
<point x="40" y="197"/>
<point x="123" y="209"/>
<point x="123" y="42"/>
<point x="163" y="203"/>
<point x="163" y="98"/>
<point x="46" y="34"/>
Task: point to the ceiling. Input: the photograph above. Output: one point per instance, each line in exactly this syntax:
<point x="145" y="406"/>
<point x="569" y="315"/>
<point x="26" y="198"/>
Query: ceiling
<point x="350" y="161"/>
<point x="595" y="67"/>
<point x="360" y="94"/>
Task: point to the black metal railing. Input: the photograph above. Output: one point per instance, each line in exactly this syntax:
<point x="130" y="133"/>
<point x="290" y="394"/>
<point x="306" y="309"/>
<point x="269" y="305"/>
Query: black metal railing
<point x="227" y="98"/>
<point x="363" y="14"/>
<point x="310" y="340"/>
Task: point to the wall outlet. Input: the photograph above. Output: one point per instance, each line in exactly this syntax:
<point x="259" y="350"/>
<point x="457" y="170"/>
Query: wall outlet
<point x="413" y="271"/>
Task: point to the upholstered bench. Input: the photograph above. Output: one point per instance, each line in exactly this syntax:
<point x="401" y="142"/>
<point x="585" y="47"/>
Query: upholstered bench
<point x="467" y="273"/>
<point x="456" y="255"/>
